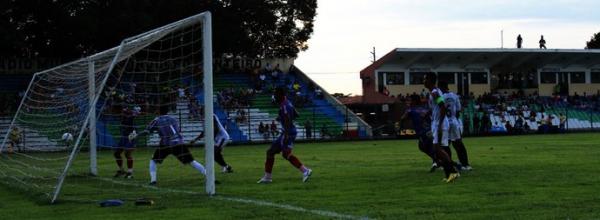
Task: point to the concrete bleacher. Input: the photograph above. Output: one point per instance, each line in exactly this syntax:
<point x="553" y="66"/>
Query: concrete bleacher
<point x="32" y="140"/>
<point x="321" y="113"/>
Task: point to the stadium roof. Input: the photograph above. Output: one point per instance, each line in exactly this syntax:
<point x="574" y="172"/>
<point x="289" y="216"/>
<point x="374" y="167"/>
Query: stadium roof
<point x="488" y="58"/>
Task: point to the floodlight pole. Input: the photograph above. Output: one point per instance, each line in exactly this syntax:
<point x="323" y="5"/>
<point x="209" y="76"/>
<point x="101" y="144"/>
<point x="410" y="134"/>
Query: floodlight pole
<point x="208" y="104"/>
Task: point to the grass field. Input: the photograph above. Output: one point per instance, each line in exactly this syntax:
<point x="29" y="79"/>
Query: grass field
<point x="524" y="177"/>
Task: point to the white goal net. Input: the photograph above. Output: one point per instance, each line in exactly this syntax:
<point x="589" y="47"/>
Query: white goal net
<point x="71" y="119"/>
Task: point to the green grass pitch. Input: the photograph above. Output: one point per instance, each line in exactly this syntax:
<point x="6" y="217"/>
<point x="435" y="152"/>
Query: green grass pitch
<point x="520" y="177"/>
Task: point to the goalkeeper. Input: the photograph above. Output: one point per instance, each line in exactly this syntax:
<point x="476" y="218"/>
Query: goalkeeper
<point x="221" y="138"/>
<point x="125" y="145"/>
<point x="171" y="142"/>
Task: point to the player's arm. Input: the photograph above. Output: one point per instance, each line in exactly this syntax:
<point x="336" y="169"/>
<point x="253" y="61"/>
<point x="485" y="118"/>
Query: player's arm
<point x="440" y="102"/>
<point x="151" y="127"/>
<point x="287" y="123"/>
<point x="200" y="136"/>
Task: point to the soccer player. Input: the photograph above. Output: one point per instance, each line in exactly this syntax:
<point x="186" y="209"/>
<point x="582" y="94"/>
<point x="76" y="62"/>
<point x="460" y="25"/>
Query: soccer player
<point x="285" y="141"/>
<point x="455" y="125"/>
<point x="439" y="127"/>
<point x="126" y="145"/>
<point x="221" y="138"/>
<point x="421" y="126"/>
<point x="171" y="142"/>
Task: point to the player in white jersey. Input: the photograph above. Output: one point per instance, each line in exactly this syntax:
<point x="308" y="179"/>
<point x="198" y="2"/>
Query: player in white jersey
<point x="221" y="139"/>
<point x="455" y="131"/>
<point x="439" y="126"/>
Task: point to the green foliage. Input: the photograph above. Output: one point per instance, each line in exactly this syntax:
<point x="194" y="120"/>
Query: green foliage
<point x="71" y="29"/>
<point x="519" y="177"/>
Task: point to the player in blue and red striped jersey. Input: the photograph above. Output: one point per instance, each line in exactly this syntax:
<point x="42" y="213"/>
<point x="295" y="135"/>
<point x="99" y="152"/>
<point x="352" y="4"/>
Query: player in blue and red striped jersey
<point x="285" y="142"/>
<point x="125" y="145"/>
<point x="171" y="142"/>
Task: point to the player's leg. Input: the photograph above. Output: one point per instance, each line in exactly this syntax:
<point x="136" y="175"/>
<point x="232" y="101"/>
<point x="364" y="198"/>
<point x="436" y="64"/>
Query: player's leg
<point x="219" y="146"/>
<point x="463" y="156"/>
<point x="456" y="138"/>
<point x="129" y="157"/>
<point x="270" y="160"/>
<point x="426" y="146"/>
<point x="287" y="154"/>
<point x="440" y="154"/>
<point x="157" y="158"/>
<point x="184" y="155"/>
<point x="119" y="160"/>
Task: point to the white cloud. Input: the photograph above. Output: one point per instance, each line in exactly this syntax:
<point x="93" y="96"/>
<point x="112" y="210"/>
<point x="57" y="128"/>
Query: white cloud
<point x="346" y="31"/>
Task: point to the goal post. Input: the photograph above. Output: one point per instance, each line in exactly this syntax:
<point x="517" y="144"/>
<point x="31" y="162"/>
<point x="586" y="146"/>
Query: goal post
<point x="85" y="98"/>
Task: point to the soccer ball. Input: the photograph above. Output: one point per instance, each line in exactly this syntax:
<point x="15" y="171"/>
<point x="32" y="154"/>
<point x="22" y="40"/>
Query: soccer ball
<point x="68" y="137"/>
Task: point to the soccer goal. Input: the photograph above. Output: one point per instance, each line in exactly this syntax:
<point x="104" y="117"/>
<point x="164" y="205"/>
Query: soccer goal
<point x="69" y="118"/>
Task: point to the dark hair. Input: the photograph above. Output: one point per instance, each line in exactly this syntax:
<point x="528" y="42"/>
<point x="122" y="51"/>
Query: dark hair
<point x="280" y="91"/>
<point x="443" y="85"/>
<point x="431" y="77"/>
<point x="163" y="110"/>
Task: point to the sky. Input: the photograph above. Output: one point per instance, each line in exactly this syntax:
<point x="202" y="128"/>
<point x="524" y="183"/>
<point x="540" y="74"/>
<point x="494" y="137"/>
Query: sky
<point x="347" y="30"/>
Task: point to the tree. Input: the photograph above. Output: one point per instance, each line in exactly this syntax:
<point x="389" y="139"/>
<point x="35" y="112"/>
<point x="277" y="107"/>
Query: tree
<point x="72" y="29"/>
<point x="594" y="43"/>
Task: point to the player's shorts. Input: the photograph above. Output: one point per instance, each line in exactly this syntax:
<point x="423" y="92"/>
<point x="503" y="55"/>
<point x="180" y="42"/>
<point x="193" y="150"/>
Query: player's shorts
<point x="182" y="153"/>
<point x="454" y="131"/>
<point x="125" y="143"/>
<point x="220" y="142"/>
<point x="434" y="131"/>
<point x="280" y="144"/>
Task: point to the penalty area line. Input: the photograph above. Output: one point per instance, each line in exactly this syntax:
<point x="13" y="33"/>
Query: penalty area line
<point x="246" y="201"/>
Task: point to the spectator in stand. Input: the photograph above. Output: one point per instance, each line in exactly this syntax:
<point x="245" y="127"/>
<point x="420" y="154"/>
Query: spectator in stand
<point x="509" y="127"/>
<point x="296" y="86"/>
<point x="275" y="73"/>
<point x="386" y="92"/>
<point x="308" y="129"/>
<point x="319" y="93"/>
<point x="543" y="43"/>
<point x="563" y="122"/>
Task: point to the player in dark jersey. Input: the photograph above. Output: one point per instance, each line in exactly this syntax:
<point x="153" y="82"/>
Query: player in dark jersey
<point x="221" y="139"/>
<point x="422" y="127"/>
<point x="285" y="142"/>
<point x="171" y="142"/>
<point x="125" y="145"/>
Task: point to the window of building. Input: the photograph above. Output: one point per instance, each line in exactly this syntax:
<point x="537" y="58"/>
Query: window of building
<point x="394" y="78"/>
<point x="479" y="78"/>
<point x="416" y="78"/>
<point x="595" y="77"/>
<point x="446" y="76"/>
<point x="578" y="77"/>
<point x="548" y="78"/>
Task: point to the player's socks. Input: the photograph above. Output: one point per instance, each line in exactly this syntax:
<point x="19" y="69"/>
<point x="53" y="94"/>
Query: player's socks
<point x="296" y="163"/>
<point x="152" y="168"/>
<point x="130" y="163"/>
<point x="269" y="165"/>
<point x="198" y="167"/>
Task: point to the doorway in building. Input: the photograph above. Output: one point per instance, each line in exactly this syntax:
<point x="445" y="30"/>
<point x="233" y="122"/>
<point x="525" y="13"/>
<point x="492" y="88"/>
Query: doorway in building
<point x="462" y="84"/>
<point x="563" y="82"/>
